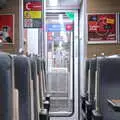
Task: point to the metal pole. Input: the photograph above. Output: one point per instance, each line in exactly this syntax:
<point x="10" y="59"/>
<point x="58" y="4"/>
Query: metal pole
<point x="21" y="29"/>
<point x="44" y="40"/>
<point x="82" y="40"/>
<point x="79" y="65"/>
<point x="40" y="42"/>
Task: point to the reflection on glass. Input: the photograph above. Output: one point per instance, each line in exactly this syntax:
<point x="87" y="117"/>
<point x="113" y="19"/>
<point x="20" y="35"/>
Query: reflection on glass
<point x="59" y="51"/>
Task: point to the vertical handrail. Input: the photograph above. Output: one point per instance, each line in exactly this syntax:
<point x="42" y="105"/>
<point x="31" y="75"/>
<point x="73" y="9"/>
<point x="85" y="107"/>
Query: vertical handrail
<point x="89" y="85"/>
<point x="37" y="85"/>
<point x="97" y="85"/>
<point x="21" y="29"/>
<point x="96" y="91"/>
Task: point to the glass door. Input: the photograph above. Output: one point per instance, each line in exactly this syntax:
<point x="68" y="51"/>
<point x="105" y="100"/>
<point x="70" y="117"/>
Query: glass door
<point x="60" y="62"/>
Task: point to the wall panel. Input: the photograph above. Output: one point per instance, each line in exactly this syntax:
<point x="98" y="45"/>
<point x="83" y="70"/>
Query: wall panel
<point x="103" y="6"/>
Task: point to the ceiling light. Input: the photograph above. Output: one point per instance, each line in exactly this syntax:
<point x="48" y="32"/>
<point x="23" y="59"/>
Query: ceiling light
<point x="53" y="2"/>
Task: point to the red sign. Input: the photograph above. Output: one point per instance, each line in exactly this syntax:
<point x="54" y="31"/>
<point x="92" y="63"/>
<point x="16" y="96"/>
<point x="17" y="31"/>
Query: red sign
<point x="49" y="33"/>
<point x="102" y="27"/>
<point x="49" y="36"/>
<point x="6" y="29"/>
<point x="69" y="27"/>
<point x="33" y="6"/>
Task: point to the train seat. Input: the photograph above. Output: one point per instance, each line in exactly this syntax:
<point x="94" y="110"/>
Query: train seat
<point x="34" y="76"/>
<point x="44" y="104"/>
<point x="85" y="97"/>
<point x="6" y="87"/>
<point x="23" y="83"/>
<point x="91" y="88"/>
<point x="107" y="86"/>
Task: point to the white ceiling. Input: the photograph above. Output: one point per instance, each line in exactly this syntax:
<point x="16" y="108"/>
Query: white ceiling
<point x="63" y="3"/>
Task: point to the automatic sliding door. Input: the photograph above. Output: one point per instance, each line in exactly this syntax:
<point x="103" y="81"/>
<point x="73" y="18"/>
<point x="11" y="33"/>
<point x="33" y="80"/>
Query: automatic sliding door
<point x="60" y="43"/>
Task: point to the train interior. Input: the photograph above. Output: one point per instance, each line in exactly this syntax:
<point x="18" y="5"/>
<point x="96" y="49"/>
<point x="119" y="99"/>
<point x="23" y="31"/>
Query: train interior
<point x="59" y="59"/>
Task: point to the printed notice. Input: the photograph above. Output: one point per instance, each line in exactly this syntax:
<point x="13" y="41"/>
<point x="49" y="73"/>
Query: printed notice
<point x="32" y="14"/>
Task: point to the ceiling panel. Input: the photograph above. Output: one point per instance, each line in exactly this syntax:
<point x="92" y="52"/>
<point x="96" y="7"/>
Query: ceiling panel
<point x="55" y="18"/>
<point x="67" y="4"/>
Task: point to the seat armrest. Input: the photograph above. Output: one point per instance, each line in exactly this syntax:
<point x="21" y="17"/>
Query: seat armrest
<point x="83" y="99"/>
<point x="88" y="110"/>
<point x="15" y="104"/>
<point x="46" y="105"/>
<point x="47" y="97"/>
<point x="96" y="115"/>
<point x="43" y="114"/>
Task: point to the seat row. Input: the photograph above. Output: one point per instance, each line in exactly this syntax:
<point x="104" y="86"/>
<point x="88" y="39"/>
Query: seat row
<point x="23" y="88"/>
<point x="102" y="96"/>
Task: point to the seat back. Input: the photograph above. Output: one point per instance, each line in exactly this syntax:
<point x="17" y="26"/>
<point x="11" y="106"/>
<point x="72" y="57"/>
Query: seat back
<point x="40" y="78"/>
<point x="6" y="87"/>
<point x="108" y="85"/>
<point x="35" y="86"/>
<point x="23" y="84"/>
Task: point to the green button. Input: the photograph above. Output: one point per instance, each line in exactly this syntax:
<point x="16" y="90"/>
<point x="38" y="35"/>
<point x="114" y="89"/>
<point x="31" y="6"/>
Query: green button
<point x="70" y="15"/>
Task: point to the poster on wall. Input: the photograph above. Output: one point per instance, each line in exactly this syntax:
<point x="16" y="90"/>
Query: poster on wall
<point x="102" y="28"/>
<point x="6" y="29"/>
<point x="32" y="14"/>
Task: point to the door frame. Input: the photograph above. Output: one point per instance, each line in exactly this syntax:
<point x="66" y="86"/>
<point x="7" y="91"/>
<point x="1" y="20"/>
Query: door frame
<point x="75" y="36"/>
